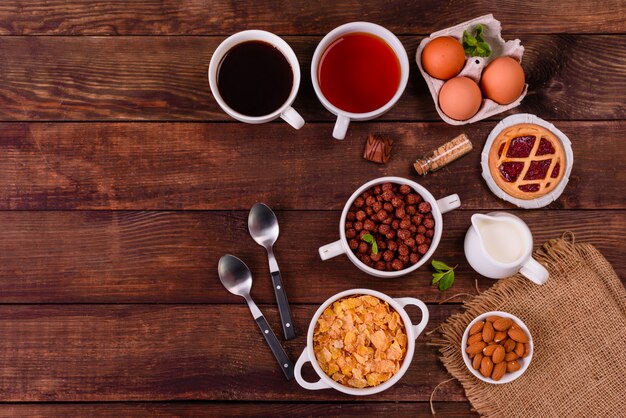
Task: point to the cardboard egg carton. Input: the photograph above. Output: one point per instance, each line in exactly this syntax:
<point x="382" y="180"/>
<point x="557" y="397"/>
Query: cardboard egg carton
<point x="474" y="65"/>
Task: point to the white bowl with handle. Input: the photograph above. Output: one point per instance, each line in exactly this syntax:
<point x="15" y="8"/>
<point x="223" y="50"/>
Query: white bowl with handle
<point x="412" y="332"/>
<point x="438" y="207"/>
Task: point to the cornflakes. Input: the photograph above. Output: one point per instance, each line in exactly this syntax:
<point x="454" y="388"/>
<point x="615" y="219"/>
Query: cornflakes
<point x="359" y="341"/>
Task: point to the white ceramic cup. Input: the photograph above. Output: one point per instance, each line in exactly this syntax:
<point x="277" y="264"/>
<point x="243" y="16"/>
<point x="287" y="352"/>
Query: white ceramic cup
<point x="343" y="117"/>
<point x="412" y="331"/>
<point x="524" y="361"/>
<point x="286" y="112"/>
<point x="486" y="265"/>
<point x="439" y="207"/>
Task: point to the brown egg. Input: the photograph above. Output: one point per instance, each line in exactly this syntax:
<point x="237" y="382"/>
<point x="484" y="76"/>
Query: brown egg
<point x="443" y="57"/>
<point x="460" y="98"/>
<point x="503" y="80"/>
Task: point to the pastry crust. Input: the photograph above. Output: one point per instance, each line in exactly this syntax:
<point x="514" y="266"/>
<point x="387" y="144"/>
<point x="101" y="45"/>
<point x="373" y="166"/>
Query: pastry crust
<point x="514" y="174"/>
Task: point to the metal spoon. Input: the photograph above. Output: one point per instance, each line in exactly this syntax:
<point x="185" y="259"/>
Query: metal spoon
<point x="237" y="279"/>
<point x="263" y="227"/>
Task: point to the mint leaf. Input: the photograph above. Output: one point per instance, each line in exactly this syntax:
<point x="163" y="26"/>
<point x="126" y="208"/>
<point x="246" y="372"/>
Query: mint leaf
<point x="446" y="281"/>
<point x="440" y="265"/>
<point x="475" y="46"/>
<point x="484" y="46"/>
<point x="444" y="276"/>
<point x="437" y="277"/>
<point x="469" y="39"/>
<point x="371" y="240"/>
<point x="479" y="31"/>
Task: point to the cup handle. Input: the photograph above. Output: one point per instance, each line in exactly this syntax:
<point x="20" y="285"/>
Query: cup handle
<point x="292" y="117"/>
<point x="304" y="358"/>
<point x="417" y="329"/>
<point x="331" y="250"/>
<point x="449" y="203"/>
<point x="341" y="127"/>
<point x="534" y="271"/>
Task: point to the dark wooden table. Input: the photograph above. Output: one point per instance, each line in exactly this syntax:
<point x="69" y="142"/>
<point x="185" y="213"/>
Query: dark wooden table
<point x="122" y="183"/>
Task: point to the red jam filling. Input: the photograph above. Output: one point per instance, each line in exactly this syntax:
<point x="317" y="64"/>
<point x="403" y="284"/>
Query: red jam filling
<point x="511" y="170"/>
<point x="501" y="149"/>
<point x="555" y="171"/>
<point x="538" y="170"/>
<point x="521" y="146"/>
<point x="534" y="187"/>
<point x="545" y="147"/>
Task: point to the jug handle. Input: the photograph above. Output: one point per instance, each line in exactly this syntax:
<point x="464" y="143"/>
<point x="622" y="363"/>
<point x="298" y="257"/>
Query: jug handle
<point x="534" y="271"/>
<point x="448" y="203"/>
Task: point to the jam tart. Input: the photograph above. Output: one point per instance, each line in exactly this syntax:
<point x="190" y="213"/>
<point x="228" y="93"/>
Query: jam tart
<point x="527" y="161"/>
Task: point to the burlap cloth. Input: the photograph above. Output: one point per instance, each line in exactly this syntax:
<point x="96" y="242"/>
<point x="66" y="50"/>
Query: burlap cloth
<point x="578" y="323"/>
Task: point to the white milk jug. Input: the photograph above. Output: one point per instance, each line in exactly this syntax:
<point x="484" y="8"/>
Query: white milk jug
<point x="499" y="244"/>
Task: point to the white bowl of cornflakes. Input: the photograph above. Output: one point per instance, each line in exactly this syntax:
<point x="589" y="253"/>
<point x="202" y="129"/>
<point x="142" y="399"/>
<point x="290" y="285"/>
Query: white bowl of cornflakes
<point x="360" y="342"/>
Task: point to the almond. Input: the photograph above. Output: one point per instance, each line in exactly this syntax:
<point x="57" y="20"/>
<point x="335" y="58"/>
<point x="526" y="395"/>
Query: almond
<point x="477" y="359"/>
<point x="498" y="354"/>
<point x="493" y="318"/>
<point x="488" y="351"/>
<point x="475" y="348"/>
<point x="500" y="336"/>
<point x="486" y="366"/>
<point x="477" y="327"/>
<point x="475" y="338"/>
<point x="526" y="349"/>
<point x="509" y="345"/>
<point x="513" y="366"/>
<point x="517" y="334"/>
<point x="498" y="371"/>
<point x="510" y="356"/>
<point x="503" y="324"/>
<point x="519" y="349"/>
<point x="488" y="332"/>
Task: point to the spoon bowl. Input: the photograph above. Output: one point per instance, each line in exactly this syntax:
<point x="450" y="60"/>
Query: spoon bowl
<point x="235" y="275"/>
<point x="263" y="225"/>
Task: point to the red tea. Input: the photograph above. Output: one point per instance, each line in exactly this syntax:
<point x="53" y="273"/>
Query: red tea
<point x="359" y="72"/>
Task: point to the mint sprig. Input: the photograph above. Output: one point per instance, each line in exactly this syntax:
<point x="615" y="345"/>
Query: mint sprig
<point x="444" y="276"/>
<point x="475" y="46"/>
<point x="369" y="238"/>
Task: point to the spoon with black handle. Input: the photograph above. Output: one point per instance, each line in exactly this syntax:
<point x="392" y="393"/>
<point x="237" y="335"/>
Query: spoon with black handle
<point x="237" y="279"/>
<point x="263" y="227"/>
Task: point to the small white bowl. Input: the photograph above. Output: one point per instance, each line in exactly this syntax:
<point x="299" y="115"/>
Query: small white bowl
<point x="524" y="361"/>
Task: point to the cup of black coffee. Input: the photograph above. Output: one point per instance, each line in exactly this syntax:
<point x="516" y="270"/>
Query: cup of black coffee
<point x="254" y="76"/>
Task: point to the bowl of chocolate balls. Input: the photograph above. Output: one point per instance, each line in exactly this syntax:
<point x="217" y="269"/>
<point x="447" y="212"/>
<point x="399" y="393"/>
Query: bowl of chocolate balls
<point x="390" y="226"/>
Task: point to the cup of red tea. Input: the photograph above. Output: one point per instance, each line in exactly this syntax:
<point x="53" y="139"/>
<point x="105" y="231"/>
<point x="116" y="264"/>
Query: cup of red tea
<point x="254" y="76"/>
<point x="359" y="71"/>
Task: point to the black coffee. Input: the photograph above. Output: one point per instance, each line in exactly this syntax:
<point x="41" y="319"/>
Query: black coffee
<point x="254" y="78"/>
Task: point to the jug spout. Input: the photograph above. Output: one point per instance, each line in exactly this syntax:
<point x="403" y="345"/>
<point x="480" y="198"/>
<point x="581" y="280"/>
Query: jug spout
<point x="479" y="219"/>
<point x="486" y="225"/>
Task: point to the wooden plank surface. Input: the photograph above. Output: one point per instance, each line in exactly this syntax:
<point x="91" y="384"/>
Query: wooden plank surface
<point x="64" y="353"/>
<point x="171" y="257"/>
<point x="145" y="17"/>
<point x="229" y="166"/>
<point x="114" y="213"/>
<point x="577" y="77"/>
<point x="229" y="409"/>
